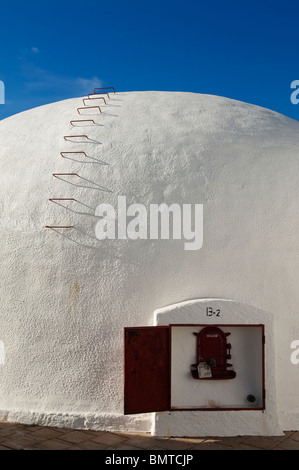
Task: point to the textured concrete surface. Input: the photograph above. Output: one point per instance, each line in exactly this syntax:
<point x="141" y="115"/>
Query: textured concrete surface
<point x="66" y="295"/>
<point x="22" y="437"/>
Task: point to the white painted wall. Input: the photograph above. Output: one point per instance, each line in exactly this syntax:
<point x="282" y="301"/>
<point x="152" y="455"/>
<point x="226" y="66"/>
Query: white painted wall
<point x="65" y="297"/>
<point x="2" y="353"/>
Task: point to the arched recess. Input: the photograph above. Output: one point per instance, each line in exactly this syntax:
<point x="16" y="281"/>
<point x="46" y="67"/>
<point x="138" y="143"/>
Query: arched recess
<point x="231" y="316"/>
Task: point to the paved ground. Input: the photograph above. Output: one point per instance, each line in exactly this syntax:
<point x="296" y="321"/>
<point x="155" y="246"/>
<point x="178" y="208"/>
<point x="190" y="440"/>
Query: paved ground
<point x="19" y="436"/>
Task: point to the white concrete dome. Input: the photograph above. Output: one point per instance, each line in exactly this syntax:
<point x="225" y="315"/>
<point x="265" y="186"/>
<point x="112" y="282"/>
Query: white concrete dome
<point x="66" y="296"/>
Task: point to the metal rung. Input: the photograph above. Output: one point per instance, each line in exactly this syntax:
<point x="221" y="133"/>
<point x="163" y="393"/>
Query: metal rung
<point x="59" y="226"/>
<point x="89" y="107"/>
<point x="82" y="120"/>
<point x="97" y="98"/>
<point x="105" y="88"/>
<point x="62" y="199"/>
<point x="61" y="153"/>
<point x="102" y="93"/>
<point x="65" y="174"/>
<point x="72" y="136"/>
<point x="89" y="99"/>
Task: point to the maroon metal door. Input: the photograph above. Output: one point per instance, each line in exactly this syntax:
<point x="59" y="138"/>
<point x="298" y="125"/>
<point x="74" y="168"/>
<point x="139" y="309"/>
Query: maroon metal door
<point x="147" y="369"/>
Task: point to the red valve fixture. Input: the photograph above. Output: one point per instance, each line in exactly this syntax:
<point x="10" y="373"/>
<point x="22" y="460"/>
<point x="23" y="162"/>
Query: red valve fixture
<point x="212" y="354"/>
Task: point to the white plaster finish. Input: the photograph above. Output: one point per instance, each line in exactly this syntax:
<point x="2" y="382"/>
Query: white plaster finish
<point x="65" y="297"/>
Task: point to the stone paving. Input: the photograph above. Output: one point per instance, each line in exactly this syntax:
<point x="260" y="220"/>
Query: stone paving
<point x="15" y="436"/>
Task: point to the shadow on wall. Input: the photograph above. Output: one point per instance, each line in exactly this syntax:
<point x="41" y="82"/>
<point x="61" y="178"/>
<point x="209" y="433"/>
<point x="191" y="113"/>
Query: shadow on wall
<point x="97" y="186"/>
<point x="67" y="203"/>
<point x="77" y="236"/>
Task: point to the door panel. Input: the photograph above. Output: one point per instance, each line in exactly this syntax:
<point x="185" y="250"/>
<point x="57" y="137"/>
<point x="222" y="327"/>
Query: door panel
<point x="147" y="369"/>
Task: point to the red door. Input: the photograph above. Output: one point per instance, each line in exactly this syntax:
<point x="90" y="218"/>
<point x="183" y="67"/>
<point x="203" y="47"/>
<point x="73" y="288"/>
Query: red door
<point x="147" y="370"/>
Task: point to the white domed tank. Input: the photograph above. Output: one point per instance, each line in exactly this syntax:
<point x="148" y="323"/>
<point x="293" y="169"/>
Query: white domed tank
<point x="67" y="295"/>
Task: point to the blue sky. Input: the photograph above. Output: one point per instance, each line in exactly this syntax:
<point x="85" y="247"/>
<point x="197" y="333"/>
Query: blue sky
<point x="52" y="49"/>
